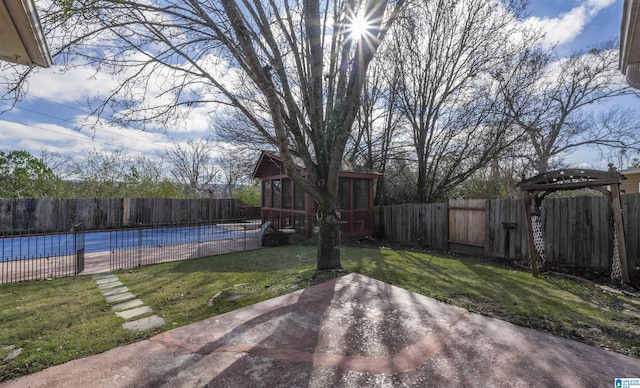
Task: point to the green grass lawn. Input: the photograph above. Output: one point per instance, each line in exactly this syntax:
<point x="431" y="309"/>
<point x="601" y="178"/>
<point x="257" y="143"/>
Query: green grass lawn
<point x="63" y="319"/>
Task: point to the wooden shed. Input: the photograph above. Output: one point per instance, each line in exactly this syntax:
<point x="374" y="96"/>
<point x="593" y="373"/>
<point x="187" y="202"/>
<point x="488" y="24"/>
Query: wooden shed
<point x="287" y="206"/>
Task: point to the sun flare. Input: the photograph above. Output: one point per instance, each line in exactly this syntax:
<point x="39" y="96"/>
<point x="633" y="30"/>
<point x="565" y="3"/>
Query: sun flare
<point x="359" y="26"/>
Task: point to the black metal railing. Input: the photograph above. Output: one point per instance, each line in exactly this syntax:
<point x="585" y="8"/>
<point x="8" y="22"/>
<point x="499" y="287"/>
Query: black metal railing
<point x="30" y="255"/>
<point x="33" y="255"/>
<point x="151" y="244"/>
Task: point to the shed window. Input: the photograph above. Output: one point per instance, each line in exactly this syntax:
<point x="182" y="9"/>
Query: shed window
<point x="275" y="184"/>
<point x="361" y="193"/>
<point x="344" y="194"/>
<point x="266" y="193"/>
<point x="287" y="193"/>
<point x="298" y="201"/>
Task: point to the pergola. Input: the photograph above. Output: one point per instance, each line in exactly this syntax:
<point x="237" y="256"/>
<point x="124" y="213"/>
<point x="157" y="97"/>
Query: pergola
<point x="535" y="189"/>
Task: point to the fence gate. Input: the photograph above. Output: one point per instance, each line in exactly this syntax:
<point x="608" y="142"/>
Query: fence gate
<point x="78" y="247"/>
<point x="467" y="225"/>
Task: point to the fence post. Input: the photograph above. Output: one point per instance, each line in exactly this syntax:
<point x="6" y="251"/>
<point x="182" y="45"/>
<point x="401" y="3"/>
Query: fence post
<point x="616" y="207"/>
<point x="140" y="246"/>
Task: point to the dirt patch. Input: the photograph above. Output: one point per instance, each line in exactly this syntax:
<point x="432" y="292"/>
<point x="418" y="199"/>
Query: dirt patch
<point x="230" y="294"/>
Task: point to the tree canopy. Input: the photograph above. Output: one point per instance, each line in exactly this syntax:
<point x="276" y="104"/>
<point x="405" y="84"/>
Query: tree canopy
<point x="291" y="71"/>
<point x="24" y="176"/>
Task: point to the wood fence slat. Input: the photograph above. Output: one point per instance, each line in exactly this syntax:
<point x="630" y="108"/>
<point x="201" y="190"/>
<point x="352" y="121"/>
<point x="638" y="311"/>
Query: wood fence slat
<point x="631" y="217"/>
<point x="61" y="214"/>
<point x="577" y="230"/>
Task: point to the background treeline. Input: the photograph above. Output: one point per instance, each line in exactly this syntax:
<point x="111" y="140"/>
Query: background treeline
<point x="112" y="173"/>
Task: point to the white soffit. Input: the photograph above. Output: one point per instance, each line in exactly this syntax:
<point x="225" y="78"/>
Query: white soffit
<point x="630" y="42"/>
<point x="21" y="36"/>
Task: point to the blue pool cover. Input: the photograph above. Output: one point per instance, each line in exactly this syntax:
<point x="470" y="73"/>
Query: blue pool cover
<point x="50" y="245"/>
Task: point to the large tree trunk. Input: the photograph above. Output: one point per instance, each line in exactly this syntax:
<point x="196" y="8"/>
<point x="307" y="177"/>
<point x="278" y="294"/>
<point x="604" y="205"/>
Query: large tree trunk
<point x="422" y="180"/>
<point x="381" y="193"/>
<point x="329" y="238"/>
<point x="542" y="164"/>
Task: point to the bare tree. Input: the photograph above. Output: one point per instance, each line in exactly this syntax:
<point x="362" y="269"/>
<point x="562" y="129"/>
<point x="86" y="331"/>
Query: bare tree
<point x="192" y="165"/>
<point x="293" y="69"/>
<point x="146" y="177"/>
<point x="149" y="169"/>
<point x="445" y="52"/>
<point x="373" y="143"/>
<point x="100" y="173"/>
<point x="558" y="103"/>
<point x="58" y="162"/>
<point x="235" y="169"/>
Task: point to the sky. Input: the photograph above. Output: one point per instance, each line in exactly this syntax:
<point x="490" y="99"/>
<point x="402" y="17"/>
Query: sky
<point x="48" y="117"/>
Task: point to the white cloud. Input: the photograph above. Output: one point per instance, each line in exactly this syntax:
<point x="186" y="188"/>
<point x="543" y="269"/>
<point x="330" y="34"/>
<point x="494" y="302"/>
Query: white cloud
<point x="34" y="137"/>
<point x="567" y="26"/>
<point x="69" y="86"/>
<point x="600" y="4"/>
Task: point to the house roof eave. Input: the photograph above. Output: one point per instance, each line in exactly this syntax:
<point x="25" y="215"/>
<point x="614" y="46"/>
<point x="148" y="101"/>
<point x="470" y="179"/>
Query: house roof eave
<point x="629" y="63"/>
<point x="21" y="36"/>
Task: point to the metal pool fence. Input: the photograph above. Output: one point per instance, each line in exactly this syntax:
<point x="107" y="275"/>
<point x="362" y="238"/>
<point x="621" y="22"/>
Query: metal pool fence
<point x="29" y="255"/>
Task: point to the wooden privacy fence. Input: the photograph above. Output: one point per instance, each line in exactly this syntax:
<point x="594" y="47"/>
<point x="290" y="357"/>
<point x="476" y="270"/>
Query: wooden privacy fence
<point x="425" y="225"/>
<point x="61" y="214"/>
<point x="466" y="227"/>
<point x="578" y="231"/>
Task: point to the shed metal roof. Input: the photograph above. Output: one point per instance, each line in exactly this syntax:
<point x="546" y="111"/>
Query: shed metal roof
<point x="266" y="158"/>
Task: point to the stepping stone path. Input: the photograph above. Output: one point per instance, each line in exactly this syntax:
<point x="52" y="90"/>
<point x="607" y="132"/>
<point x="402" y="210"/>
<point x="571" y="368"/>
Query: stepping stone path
<point x="128" y="307"/>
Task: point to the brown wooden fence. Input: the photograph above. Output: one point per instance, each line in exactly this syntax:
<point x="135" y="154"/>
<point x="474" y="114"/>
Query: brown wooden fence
<point x="423" y="224"/>
<point x="467" y="225"/>
<point x="61" y="214"/>
<point x="578" y="231"/>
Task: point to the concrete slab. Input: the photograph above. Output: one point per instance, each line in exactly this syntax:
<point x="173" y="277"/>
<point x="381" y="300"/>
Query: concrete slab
<point x="144" y="323"/>
<point x="132" y="313"/>
<point x="112" y="284"/>
<point x="120" y="297"/>
<point x="351" y="332"/>
<point x="127" y="305"/>
<point x="114" y="291"/>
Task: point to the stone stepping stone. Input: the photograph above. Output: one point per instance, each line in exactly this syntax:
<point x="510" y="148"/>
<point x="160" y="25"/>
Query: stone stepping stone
<point x="127" y="305"/>
<point x="144" y="323"/>
<point x="113" y="291"/>
<point x="106" y="280"/>
<point x="110" y="285"/>
<point x="120" y="297"/>
<point x="103" y="276"/>
<point x="128" y="314"/>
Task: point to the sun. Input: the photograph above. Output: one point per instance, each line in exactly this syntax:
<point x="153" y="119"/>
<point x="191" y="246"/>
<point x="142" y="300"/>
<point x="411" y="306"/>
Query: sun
<point x="359" y="26"/>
